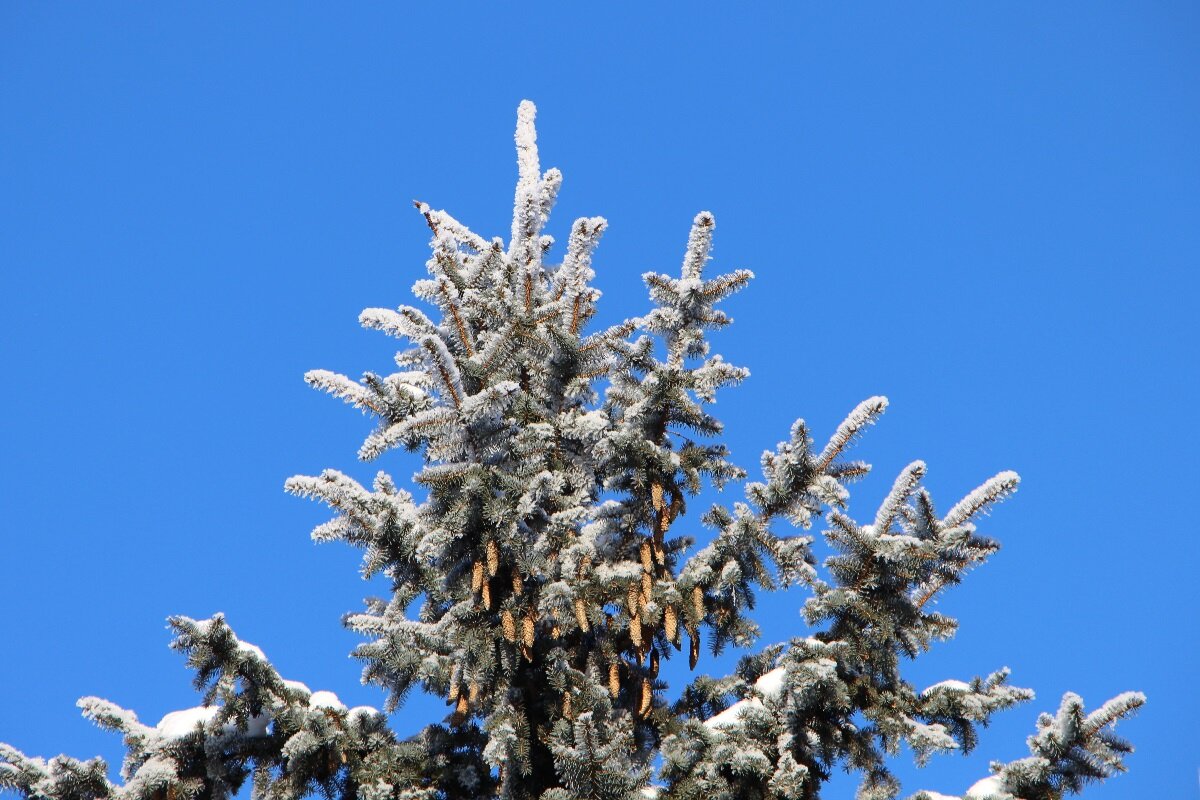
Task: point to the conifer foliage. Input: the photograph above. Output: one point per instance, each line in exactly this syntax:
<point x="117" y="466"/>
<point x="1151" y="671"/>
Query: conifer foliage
<point x="543" y="575"/>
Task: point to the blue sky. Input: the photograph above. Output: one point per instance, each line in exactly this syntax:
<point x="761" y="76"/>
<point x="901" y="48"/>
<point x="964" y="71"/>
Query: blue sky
<point x="988" y="214"/>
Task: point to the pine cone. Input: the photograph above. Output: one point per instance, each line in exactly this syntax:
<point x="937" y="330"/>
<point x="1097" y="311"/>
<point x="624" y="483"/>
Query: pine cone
<point x="508" y="625"/>
<point x="671" y="625"/>
<point x="581" y="615"/>
<point x="493" y="558"/>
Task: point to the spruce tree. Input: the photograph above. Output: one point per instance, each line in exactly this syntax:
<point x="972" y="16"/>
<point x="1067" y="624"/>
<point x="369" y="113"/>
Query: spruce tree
<point x="540" y="577"/>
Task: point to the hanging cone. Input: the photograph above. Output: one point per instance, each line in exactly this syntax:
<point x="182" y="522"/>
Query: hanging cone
<point x="527" y="628"/>
<point x="460" y="710"/>
<point x="581" y="615"/>
<point x="671" y="625"/>
<point x="476" y="576"/>
<point x="694" y="652"/>
<point x="493" y="558"/>
<point x="647" y="587"/>
<point x="508" y="625"/>
<point x="635" y="630"/>
<point x="632" y="598"/>
<point x="698" y="602"/>
<point x="647" y="698"/>
<point x="518" y="584"/>
<point x="487" y="595"/>
<point x="472" y="691"/>
<point x="656" y="496"/>
<point x="566" y="704"/>
<point x="653" y="663"/>
<point x="645" y="555"/>
<point x="614" y="679"/>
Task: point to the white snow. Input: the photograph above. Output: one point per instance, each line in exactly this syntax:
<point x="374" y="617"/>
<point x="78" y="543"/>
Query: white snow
<point x="363" y="711"/>
<point x="938" y="795"/>
<point x="257" y="725"/>
<point x="772" y="683"/>
<point x="593" y="422"/>
<point x="732" y="715"/>
<point x="650" y="792"/>
<point x="960" y="686"/>
<point x="526" y="137"/>
<point x="246" y="647"/>
<point x="297" y="686"/>
<point x="156" y="772"/>
<point x="324" y="699"/>
<point x="989" y="787"/>
<point x="178" y="724"/>
<point x="931" y="736"/>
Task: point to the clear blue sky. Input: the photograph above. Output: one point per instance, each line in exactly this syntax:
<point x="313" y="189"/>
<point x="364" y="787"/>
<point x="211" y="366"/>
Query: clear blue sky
<point x="990" y="214"/>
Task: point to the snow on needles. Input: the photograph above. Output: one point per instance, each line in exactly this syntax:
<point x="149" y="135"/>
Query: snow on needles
<point x="989" y="788"/>
<point x="771" y="685"/>
<point x="252" y="649"/>
<point x="187" y="721"/>
<point x="960" y="686"/>
<point x="326" y="699"/>
<point x="178" y="724"/>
